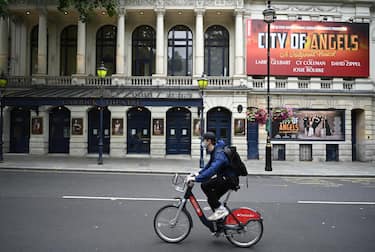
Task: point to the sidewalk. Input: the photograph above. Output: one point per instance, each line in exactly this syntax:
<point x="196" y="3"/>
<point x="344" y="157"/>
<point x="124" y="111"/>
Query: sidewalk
<point x="154" y="165"/>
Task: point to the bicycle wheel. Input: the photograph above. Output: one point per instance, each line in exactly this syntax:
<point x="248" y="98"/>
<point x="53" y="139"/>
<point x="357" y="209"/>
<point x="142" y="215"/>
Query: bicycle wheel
<point x="248" y="236"/>
<point x="169" y="232"/>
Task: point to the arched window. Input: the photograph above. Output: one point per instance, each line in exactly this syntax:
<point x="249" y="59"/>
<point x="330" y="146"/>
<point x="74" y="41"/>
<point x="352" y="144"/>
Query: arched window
<point x="143" y="51"/>
<point x="68" y="50"/>
<point x="216" y="51"/>
<point x="34" y="50"/>
<point x="180" y="51"/>
<point x="106" y="39"/>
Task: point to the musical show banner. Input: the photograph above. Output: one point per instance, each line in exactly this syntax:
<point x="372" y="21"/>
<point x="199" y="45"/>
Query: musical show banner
<point x="308" y="48"/>
<point x="310" y="125"/>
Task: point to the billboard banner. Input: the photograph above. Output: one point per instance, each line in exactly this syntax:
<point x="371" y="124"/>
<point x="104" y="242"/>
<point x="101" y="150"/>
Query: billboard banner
<point x="310" y="125"/>
<point x="308" y="48"/>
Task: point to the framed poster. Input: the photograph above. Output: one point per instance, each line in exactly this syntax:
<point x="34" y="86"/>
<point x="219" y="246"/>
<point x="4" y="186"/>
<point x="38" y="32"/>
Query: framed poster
<point x="37" y="125"/>
<point x="239" y="127"/>
<point x="311" y="125"/>
<point x="77" y="126"/>
<point x="197" y="127"/>
<point x="117" y="126"/>
<point x="158" y="127"/>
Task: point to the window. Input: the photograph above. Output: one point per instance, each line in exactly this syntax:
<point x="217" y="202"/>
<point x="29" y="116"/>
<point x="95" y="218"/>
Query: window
<point x="180" y="51"/>
<point x="278" y="152"/>
<point x="143" y="51"/>
<point x="305" y="152"/>
<point x="216" y="51"/>
<point x="68" y="50"/>
<point x="106" y="39"/>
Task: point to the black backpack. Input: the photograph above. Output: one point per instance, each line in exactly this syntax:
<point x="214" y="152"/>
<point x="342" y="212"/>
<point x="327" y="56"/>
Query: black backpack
<point x="235" y="162"/>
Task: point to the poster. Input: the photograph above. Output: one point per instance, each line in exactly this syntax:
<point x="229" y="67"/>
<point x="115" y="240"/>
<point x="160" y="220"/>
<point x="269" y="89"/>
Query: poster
<point x="37" y="125"/>
<point x="308" y="48"/>
<point x="196" y="127"/>
<point x="158" y="127"/>
<point x="239" y="127"/>
<point x="117" y="126"/>
<point x="77" y="126"/>
<point x="311" y="125"/>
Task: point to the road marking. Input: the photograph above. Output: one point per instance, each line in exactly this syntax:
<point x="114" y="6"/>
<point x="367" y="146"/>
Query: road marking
<point x="120" y="198"/>
<point x="336" y="202"/>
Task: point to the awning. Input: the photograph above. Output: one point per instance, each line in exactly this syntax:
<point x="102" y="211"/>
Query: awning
<point x="110" y="96"/>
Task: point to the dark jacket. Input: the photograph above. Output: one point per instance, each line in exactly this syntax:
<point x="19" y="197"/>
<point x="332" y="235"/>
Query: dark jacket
<point x="217" y="165"/>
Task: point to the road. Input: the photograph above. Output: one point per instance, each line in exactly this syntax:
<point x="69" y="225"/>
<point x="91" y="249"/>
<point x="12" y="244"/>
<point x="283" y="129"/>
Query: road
<point x="68" y="211"/>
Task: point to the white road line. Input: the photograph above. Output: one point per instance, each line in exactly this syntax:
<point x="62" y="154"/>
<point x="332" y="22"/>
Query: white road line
<point x="336" y="202"/>
<point x="119" y="198"/>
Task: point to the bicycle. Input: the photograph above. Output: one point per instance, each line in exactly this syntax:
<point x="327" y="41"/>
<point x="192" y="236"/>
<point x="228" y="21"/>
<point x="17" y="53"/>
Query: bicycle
<point x="243" y="226"/>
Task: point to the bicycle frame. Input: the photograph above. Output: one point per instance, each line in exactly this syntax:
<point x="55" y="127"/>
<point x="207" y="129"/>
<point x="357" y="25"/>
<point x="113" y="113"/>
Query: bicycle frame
<point x="212" y="225"/>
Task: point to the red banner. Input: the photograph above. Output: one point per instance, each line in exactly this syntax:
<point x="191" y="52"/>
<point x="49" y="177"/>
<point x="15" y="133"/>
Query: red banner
<point x="308" y="48"/>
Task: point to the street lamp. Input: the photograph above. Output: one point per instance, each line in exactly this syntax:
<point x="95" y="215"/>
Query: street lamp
<point x="269" y="17"/>
<point x="102" y="72"/>
<point x="3" y="84"/>
<point x="202" y="84"/>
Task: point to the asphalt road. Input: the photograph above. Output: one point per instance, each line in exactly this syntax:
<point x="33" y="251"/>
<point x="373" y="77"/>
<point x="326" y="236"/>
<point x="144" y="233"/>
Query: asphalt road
<point x="51" y="211"/>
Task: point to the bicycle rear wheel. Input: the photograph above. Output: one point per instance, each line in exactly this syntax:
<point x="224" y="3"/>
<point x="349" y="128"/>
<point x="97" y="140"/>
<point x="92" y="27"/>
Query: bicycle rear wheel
<point x="248" y="236"/>
<point x="172" y="232"/>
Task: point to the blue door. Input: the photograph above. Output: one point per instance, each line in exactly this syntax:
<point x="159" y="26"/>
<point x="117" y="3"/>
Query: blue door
<point x="59" y="130"/>
<point x="93" y="134"/>
<point x="138" y="133"/>
<point x="178" y="131"/>
<point x="252" y="140"/>
<point x="19" y="130"/>
<point x="219" y="122"/>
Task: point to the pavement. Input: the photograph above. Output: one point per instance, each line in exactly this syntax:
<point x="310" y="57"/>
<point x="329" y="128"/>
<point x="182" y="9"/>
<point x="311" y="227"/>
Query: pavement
<point x="52" y="162"/>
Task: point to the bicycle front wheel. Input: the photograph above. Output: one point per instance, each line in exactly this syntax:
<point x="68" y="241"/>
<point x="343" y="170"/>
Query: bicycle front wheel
<point x="170" y="230"/>
<point x="248" y="236"/>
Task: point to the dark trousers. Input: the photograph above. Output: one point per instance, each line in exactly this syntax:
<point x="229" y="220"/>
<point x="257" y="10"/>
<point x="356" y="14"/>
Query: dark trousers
<point x="216" y="187"/>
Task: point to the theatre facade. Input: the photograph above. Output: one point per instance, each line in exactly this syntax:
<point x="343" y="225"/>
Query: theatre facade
<point x="322" y="76"/>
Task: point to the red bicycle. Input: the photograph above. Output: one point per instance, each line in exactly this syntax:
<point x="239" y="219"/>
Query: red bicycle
<point x="243" y="226"/>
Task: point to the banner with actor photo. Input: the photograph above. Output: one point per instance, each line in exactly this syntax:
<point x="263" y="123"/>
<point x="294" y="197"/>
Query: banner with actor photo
<point x="311" y="125"/>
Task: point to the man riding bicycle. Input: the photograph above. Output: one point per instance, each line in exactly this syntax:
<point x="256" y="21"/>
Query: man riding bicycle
<point x="216" y="177"/>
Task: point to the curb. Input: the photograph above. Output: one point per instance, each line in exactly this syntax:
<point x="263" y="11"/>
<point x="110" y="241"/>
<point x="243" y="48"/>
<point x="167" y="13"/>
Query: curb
<point x="113" y="171"/>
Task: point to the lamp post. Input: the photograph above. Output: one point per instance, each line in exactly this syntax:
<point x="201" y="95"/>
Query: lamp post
<point x="202" y="84"/>
<point x="3" y="84"/>
<point x="269" y="17"/>
<point x="102" y="72"/>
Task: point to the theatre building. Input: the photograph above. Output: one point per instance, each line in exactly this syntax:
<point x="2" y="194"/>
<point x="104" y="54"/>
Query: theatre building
<point x="322" y="90"/>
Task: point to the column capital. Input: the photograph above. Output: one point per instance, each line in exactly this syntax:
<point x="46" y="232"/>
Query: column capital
<point x="238" y="12"/>
<point x="42" y="11"/>
<point x="121" y="11"/>
<point x="199" y="11"/>
<point x="160" y="10"/>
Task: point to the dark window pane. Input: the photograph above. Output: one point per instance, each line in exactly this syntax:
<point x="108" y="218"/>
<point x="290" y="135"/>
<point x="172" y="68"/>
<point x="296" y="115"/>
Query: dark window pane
<point x="216" y="51"/>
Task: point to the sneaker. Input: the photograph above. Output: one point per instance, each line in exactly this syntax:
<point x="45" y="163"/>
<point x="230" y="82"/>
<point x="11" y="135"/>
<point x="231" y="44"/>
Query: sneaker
<point x="219" y="213"/>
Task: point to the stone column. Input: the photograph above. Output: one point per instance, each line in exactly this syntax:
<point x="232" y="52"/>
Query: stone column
<point x="160" y="42"/>
<point x="118" y="78"/>
<point x="78" y="139"/>
<point x="39" y="139"/>
<point x="79" y="77"/>
<point x="81" y="48"/>
<point x="120" y="52"/>
<point x="239" y="48"/>
<point x="199" y="42"/>
<point x="117" y="146"/>
<point x="4" y="45"/>
<point x="42" y="43"/>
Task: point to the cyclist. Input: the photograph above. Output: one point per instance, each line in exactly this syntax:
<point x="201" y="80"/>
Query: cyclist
<point x="216" y="177"/>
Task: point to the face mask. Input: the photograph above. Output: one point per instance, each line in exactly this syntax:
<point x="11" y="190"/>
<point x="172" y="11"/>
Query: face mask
<point x="204" y="145"/>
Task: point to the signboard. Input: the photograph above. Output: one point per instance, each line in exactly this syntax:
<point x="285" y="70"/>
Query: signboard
<point x="308" y="48"/>
<point x="311" y="124"/>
